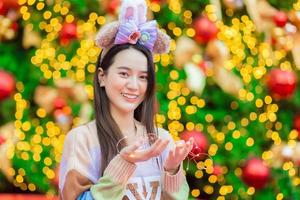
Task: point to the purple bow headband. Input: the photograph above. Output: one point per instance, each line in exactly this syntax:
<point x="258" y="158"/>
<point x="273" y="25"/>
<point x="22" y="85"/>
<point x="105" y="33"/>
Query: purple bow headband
<point x="132" y="28"/>
<point x="144" y="34"/>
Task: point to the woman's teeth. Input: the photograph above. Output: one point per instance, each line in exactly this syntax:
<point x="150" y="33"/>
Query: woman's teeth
<point x="130" y="96"/>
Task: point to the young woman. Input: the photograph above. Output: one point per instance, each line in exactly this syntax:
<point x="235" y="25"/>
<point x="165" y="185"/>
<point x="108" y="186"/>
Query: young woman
<point x="121" y="155"/>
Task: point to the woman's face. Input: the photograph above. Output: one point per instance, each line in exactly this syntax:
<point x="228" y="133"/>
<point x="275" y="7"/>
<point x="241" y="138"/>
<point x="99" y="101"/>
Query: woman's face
<point x="125" y="81"/>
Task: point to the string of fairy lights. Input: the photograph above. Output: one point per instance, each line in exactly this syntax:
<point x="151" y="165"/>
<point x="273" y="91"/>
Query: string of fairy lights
<point x="237" y="37"/>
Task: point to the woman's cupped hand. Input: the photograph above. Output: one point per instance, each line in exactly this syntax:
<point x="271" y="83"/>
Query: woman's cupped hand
<point x="134" y="153"/>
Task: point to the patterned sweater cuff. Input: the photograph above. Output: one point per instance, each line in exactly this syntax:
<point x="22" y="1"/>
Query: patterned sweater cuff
<point x="120" y="170"/>
<point x="172" y="183"/>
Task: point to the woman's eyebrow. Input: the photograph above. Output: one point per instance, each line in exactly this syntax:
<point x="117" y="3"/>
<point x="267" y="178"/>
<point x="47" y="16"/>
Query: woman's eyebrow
<point x="123" y="67"/>
<point x="128" y="68"/>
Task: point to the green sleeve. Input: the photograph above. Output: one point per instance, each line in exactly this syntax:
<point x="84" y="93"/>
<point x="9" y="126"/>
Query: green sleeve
<point x="112" y="184"/>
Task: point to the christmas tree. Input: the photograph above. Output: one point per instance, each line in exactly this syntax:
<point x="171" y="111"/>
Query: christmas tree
<point x="229" y="81"/>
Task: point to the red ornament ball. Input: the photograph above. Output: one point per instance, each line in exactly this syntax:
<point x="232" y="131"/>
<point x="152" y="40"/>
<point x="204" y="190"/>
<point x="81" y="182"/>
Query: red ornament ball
<point x="11" y="4"/>
<point x="280" y="19"/>
<point x="6" y="5"/>
<point x="200" y="144"/>
<point x="205" y="30"/>
<point x="281" y="84"/>
<point x="296" y="124"/>
<point x="3" y="9"/>
<point x="255" y="173"/>
<point x="67" y="33"/>
<point x="7" y="85"/>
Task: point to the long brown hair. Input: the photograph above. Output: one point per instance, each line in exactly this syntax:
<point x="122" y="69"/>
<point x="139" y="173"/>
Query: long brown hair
<point x="107" y="129"/>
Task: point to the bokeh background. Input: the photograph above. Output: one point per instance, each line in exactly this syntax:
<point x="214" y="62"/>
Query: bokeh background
<point x="229" y="81"/>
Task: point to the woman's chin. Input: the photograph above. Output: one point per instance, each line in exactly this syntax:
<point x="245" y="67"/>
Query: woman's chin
<point x="128" y="109"/>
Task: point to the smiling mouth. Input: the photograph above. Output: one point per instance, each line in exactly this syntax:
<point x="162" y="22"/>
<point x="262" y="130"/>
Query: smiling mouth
<point x="130" y="96"/>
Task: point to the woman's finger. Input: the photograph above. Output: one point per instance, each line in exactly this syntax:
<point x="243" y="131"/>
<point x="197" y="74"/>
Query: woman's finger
<point x="180" y="143"/>
<point x="185" y="152"/>
<point x="178" y="148"/>
<point x="182" y="152"/>
<point x="161" y="147"/>
<point x="172" y="154"/>
<point x="157" y="148"/>
<point x="156" y="143"/>
<point x="191" y="146"/>
<point x="134" y="147"/>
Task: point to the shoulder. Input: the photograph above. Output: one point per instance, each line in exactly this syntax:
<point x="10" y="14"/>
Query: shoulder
<point x="82" y="134"/>
<point x="81" y="131"/>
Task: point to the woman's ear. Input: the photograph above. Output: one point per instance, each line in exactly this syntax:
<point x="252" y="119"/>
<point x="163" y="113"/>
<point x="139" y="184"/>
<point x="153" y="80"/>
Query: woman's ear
<point x="101" y="77"/>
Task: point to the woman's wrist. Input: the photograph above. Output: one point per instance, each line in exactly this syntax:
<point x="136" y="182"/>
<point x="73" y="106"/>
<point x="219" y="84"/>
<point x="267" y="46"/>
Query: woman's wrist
<point x="172" y="171"/>
<point x="126" y="158"/>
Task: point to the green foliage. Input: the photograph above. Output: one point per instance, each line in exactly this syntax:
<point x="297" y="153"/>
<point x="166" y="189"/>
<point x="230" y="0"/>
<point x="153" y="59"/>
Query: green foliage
<point x="283" y="5"/>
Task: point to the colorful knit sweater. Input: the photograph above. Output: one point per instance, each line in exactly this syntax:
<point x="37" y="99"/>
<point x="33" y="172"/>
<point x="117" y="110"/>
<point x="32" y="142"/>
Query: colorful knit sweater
<point x="80" y="172"/>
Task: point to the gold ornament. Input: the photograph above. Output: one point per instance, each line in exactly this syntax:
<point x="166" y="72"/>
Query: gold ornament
<point x="6" y="31"/>
<point x="186" y="48"/>
<point x="44" y="97"/>
<point x="31" y="38"/>
<point x="8" y="132"/>
<point x="196" y="78"/>
<point x="294" y="18"/>
<point x="233" y="4"/>
<point x="285" y="152"/>
<point x="262" y="13"/>
<point x="218" y="9"/>
<point x="296" y="49"/>
<point x="227" y="80"/>
<point x="69" y="89"/>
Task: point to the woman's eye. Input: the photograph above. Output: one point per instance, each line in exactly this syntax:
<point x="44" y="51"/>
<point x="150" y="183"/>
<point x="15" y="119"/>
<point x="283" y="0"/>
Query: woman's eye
<point x="144" y="77"/>
<point x="123" y="74"/>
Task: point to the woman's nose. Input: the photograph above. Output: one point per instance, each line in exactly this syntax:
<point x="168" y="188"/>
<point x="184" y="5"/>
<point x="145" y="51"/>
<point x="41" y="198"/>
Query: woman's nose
<point x="133" y="83"/>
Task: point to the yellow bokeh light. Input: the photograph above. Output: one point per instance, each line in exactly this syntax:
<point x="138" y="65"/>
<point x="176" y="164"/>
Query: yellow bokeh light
<point x="208" y="189"/>
<point x="40" y="6"/>
<point x="195" y="192"/>
<point x="251" y="190"/>
<point x="250" y="142"/>
<point x="198" y="174"/>
<point x="31" y="187"/>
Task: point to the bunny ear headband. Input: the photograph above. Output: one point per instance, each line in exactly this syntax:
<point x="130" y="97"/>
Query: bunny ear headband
<point x="133" y="28"/>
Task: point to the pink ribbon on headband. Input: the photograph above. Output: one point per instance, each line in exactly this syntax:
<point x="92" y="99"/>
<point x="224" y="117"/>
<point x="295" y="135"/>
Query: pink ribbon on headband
<point x="144" y="34"/>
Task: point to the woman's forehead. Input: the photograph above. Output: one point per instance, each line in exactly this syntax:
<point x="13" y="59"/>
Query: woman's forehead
<point x="131" y="59"/>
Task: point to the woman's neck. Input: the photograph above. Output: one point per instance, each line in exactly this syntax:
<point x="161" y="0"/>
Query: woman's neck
<point x="126" y="123"/>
